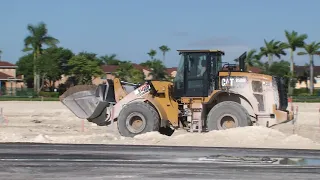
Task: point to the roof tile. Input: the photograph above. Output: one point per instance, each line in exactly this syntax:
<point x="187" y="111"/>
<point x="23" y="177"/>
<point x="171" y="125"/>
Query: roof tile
<point x="172" y="69"/>
<point x="5" y="63"/>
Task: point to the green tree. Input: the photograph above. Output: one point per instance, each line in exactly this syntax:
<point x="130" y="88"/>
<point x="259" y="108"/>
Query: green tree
<point x="152" y="53"/>
<point x="83" y="69"/>
<point x="0" y="54"/>
<point x="280" y="69"/>
<point x="25" y="67"/>
<point x="34" y="42"/>
<point x="52" y="64"/>
<point x="272" y="48"/>
<point x="164" y="49"/>
<point x="136" y="76"/>
<point x="126" y="72"/>
<point x="147" y="64"/>
<point x="91" y="56"/>
<point x="311" y="50"/>
<point x="122" y="71"/>
<point x="48" y="69"/>
<point x="110" y="59"/>
<point x="158" y="71"/>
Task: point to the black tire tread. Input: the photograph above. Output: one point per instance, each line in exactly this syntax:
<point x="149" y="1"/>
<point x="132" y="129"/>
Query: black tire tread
<point x="143" y="105"/>
<point x="229" y="103"/>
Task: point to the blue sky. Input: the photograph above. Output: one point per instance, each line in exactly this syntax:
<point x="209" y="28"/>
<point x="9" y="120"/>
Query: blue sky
<point x="131" y="28"/>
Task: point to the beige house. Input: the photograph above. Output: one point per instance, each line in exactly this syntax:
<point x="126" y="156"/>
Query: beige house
<point x="172" y="71"/>
<point x="9" y="81"/>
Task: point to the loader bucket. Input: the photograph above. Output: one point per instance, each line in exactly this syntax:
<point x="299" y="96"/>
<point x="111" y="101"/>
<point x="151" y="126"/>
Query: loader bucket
<point x="88" y="101"/>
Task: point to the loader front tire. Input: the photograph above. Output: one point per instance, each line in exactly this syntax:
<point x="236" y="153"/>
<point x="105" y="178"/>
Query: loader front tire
<point x="226" y="115"/>
<point x="137" y="118"/>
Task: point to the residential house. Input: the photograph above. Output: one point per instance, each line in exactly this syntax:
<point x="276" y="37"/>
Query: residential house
<point x="9" y="81"/>
<point x="172" y="71"/>
<point x="316" y="72"/>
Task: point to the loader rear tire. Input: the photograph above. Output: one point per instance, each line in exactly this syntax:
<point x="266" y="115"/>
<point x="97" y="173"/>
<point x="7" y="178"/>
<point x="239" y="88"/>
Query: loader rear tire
<point x="226" y="115"/>
<point x="133" y="114"/>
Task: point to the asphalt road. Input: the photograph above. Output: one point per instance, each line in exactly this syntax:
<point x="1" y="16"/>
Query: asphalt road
<point x="77" y="162"/>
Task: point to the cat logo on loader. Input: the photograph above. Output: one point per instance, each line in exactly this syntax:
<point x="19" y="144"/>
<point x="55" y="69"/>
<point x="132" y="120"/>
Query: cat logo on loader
<point x="205" y="95"/>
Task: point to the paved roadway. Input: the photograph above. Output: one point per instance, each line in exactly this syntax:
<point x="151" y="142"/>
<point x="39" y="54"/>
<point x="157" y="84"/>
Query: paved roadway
<point x="95" y="162"/>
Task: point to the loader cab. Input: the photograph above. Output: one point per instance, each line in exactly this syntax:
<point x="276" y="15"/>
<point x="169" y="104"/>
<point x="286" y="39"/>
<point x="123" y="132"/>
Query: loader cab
<point x="197" y="73"/>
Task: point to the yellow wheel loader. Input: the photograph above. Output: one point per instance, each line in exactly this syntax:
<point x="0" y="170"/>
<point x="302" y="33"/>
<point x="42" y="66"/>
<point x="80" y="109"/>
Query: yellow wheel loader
<point x="206" y="94"/>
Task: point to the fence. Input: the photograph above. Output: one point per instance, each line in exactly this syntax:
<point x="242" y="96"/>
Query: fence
<point x="23" y="93"/>
<point x="17" y="92"/>
<point x="27" y="94"/>
<point x="306" y="98"/>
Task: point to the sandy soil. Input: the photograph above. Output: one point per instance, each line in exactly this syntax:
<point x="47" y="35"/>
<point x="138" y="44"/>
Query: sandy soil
<point x="51" y="122"/>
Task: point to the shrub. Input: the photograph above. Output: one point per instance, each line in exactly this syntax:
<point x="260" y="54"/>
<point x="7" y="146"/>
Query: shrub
<point x="305" y="92"/>
<point x="49" y="94"/>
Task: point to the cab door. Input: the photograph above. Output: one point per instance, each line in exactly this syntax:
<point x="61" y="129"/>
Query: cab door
<point x="196" y="80"/>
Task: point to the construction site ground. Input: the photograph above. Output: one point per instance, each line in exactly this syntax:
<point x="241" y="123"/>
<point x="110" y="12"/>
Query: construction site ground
<point x="52" y="122"/>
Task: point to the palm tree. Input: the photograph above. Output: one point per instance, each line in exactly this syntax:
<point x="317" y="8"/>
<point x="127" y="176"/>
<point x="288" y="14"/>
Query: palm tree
<point x="164" y="49"/>
<point x="0" y="54"/>
<point x="34" y="42"/>
<point x="110" y="59"/>
<point x="272" y="48"/>
<point x="252" y="59"/>
<point x="311" y="50"/>
<point x="294" y="41"/>
<point x="152" y="53"/>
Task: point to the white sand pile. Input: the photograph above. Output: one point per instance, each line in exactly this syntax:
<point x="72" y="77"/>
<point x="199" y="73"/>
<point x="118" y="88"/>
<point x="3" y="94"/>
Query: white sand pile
<point x="51" y="122"/>
<point x="244" y="137"/>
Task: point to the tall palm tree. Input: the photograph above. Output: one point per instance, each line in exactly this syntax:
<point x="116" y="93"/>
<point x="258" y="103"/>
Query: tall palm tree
<point x="272" y="48"/>
<point x="152" y="53"/>
<point x="164" y="49"/>
<point x="34" y="42"/>
<point x="252" y="59"/>
<point x="0" y="54"/>
<point x="311" y="50"/>
<point x="294" y="41"/>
